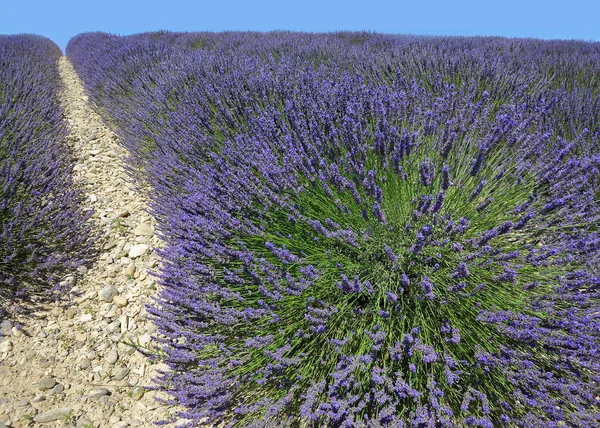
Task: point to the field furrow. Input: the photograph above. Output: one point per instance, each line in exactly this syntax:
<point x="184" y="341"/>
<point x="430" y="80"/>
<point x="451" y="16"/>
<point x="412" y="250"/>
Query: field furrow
<point x="73" y="361"/>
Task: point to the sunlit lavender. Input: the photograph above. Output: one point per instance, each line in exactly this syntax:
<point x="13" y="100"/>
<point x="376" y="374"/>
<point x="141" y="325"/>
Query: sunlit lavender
<point x="367" y="230"/>
<point x="44" y="233"/>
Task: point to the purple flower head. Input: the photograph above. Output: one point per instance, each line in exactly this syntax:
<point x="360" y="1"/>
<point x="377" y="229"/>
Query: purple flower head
<point x="283" y="254"/>
<point x="426" y="172"/>
<point x="393" y="257"/>
<point x="427" y="287"/>
<point x="445" y="177"/>
<point x="405" y="281"/>
<point x="379" y="214"/>
<point x="461" y="271"/>
<point x="478" y="189"/>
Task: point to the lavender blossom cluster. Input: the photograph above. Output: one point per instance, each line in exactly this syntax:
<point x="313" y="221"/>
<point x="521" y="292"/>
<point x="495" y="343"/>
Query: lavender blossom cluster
<point x="366" y="230"/>
<point x="43" y="230"/>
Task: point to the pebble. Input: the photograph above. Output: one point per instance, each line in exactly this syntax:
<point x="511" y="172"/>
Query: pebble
<point x="86" y="318"/>
<point x="143" y="229"/>
<point x="22" y="403"/>
<point x="138" y="392"/>
<point x="124" y="320"/>
<point x="46" y="383"/>
<point x="5" y="327"/>
<point x="110" y="245"/>
<point x="113" y="327"/>
<point x="120" y="373"/>
<point x="120" y="301"/>
<point x="84" y="364"/>
<point x="119" y="425"/>
<point x="137" y="251"/>
<point x="5" y="346"/>
<point x="145" y="339"/>
<point x="108" y="293"/>
<point x="82" y="270"/>
<point x="98" y="392"/>
<point x="122" y="214"/>
<point x="52" y="415"/>
<point x="112" y="357"/>
<point x="58" y="388"/>
<point x="71" y="312"/>
<point x="130" y="270"/>
<point x="69" y="281"/>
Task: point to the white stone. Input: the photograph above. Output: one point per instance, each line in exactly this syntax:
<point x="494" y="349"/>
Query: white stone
<point x="137" y="251"/>
<point x="143" y="229"/>
<point x="145" y="339"/>
<point x="52" y="415"/>
<point x="68" y="281"/>
<point x="120" y="301"/>
<point x="5" y="346"/>
<point x="98" y="392"/>
<point x="130" y="270"/>
<point x="112" y="357"/>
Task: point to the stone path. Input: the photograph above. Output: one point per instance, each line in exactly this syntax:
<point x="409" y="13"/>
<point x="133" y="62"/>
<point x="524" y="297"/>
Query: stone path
<point x="69" y="364"/>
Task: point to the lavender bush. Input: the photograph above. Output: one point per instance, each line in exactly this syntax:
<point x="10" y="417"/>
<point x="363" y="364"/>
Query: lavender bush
<point x="43" y="231"/>
<point x="367" y="230"/>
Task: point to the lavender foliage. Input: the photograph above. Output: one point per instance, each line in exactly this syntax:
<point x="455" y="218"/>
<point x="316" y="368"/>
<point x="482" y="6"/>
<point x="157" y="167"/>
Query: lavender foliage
<point x="43" y="231"/>
<point x="367" y="230"/>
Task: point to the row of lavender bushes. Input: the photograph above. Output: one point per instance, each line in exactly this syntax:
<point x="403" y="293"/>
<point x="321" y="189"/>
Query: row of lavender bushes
<point x="367" y="230"/>
<point x="44" y="233"/>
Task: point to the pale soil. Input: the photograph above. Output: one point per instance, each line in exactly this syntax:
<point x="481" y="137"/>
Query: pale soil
<point x="72" y="343"/>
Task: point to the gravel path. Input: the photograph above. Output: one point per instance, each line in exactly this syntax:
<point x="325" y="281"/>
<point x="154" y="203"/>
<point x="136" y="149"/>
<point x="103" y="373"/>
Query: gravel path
<point x="69" y="364"/>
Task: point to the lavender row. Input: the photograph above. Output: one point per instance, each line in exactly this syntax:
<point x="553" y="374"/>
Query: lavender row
<point x="43" y="231"/>
<point x="367" y="230"/>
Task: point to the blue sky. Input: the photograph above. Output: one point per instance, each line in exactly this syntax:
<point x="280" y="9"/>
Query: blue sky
<point x="61" y="20"/>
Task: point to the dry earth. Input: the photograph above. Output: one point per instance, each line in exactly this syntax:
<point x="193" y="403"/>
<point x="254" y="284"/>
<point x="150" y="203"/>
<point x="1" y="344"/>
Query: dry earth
<point x="69" y="364"/>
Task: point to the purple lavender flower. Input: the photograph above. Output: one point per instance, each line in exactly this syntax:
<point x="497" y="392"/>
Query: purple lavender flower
<point x="461" y="271"/>
<point x="426" y="172"/>
<point x="390" y="254"/>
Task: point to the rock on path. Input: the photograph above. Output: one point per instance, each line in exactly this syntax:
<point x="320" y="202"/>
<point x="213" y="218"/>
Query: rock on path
<point x="69" y="363"/>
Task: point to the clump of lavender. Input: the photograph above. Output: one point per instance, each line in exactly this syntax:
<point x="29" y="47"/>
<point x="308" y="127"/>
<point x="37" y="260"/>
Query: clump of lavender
<point x="43" y="231"/>
<point x="370" y="248"/>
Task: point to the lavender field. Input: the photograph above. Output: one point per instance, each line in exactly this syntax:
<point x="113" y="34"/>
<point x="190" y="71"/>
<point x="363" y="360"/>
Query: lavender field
<point x="360" y="230"/>
<point x="43" y="231"/>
